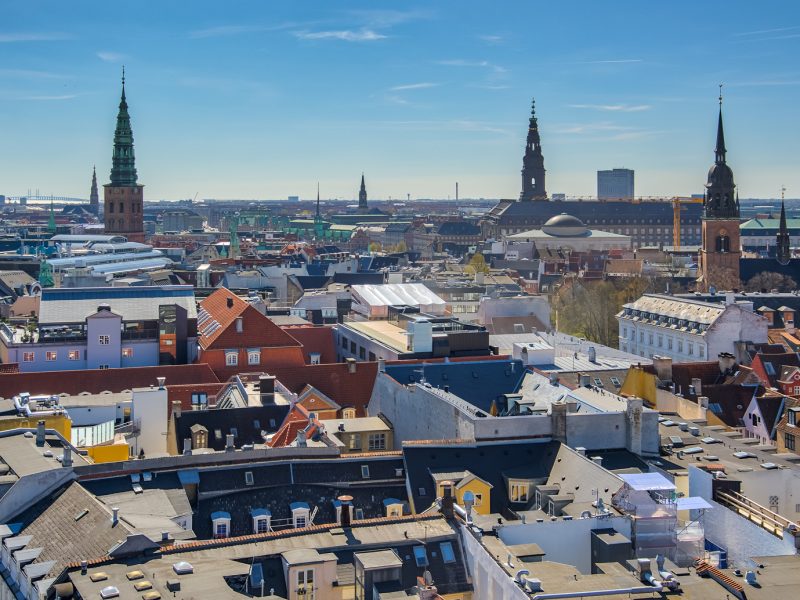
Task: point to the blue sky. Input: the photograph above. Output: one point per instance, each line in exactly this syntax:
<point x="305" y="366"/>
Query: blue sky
<point x="262" y="99"/>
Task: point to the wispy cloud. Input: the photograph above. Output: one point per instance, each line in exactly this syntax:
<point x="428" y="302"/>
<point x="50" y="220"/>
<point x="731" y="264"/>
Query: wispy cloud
<point x="111" y="57"/>
<point x="34" y="37"/>
<point x="483" y="64"/>
<point x="492" y="39"/>
<point x="382" y="19"/>
<point x="605" y="131"/>
<point x="345" y="35"/>
<point x="31" y="74"/>
<point x="765" y="31"/>
<point x="243" y="29"/>
<point x="50" y="98"/>
<point x="615" y="61"/>
<point x="614" y="107"/>
<point x="414" y="86"/>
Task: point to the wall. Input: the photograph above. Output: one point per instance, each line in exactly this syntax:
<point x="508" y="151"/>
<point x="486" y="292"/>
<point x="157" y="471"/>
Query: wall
<point x="735" y="324"/>
<point x="103" y="323"/>
<point x="596" y="431"/>
<point x="109" y="453"/>
<point x="537" y="306"/>
<point x="489" y="580"/>
<point x="741" y="538"/>
<point x="149" y="412"/>
<point x="513" y="427"/>
<point x="60" y="423"/>
<point x="567" y="542"/>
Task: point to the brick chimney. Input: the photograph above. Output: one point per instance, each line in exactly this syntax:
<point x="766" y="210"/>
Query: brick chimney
<point x="345" y="510"/>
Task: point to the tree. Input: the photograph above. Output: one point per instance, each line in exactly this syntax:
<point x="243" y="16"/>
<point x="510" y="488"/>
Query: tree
<point x="477" y="264"/>
<point x="375" y="247"/>
<point x="769" y="280"/>
<point x="588" y="310"/>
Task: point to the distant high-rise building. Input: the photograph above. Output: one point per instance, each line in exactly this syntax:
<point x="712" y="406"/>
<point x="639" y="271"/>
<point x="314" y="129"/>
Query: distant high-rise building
<point x="615" y="184"/>
<point x="94" y="197"/>
<point x="124" y="198"/>
<point x="533" y="163"/>
<point x="362" y="196"/>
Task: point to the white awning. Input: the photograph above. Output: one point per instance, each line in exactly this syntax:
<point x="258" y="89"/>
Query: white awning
<point x="647" y="481"/>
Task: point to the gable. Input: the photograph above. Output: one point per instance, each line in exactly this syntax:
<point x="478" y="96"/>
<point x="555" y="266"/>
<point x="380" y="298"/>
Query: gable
<point x="257" y="332"/>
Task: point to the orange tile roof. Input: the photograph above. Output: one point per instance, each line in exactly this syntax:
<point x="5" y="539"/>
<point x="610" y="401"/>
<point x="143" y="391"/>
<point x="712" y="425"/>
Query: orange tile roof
<point x="335" y="381"/>
<point x="216" y="325"/>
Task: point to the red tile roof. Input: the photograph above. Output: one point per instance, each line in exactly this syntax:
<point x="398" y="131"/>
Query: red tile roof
<point x="95" y="381"/>
<point x="315" y="339"/>
<point x="335" y="381"/>
<point x="217" y="329"/>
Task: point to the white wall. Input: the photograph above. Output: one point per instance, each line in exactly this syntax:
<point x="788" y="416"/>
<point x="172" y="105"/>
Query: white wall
<point x="149" y="412"/>
<point x="568" y="542"/>
<point x="489" y="580"/>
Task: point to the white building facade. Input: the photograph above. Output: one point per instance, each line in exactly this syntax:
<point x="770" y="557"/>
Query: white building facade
<point x="687" y="330"/>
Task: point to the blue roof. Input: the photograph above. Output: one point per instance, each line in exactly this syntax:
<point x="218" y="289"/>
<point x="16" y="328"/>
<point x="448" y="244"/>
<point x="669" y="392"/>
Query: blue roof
<point x="390" y="501"/>
<point x="188" y="477"/>
<point x="296" y="505"/>
<point x="260" y="512"/>
<point x="220" y="514"/>
<point x="110" y="293"/>
<point x="478" y="382"/>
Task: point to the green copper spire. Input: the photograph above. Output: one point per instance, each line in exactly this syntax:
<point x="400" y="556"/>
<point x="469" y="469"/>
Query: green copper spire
<point x="123" y="167"/>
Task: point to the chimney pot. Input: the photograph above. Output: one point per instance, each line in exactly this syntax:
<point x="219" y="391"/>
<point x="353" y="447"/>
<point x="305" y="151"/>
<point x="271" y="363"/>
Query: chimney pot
<point x="176" y="409"/>
<point x="345" y="510"/>
<point x="66" y="459"/>
<point x="229" y="447"/>
<point x="161" y="381"/>
<point x="351" y="365"/>
<point x="40" y="433"/>
<point x="114" y="515"/>
<point x="381" y="365"/>
<point x="187" y="446"/>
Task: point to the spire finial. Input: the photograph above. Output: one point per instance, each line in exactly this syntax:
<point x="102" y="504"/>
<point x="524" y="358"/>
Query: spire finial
<point x="720" y="95"/>
<point x="123" y="75"/>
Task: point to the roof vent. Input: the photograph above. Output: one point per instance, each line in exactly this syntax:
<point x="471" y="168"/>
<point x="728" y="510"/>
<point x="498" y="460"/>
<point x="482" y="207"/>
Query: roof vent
<point x="104" y="307"/>
<point x="183" y="568"/>
<point x="110" y="591"/>
<point x="230" y="302"/>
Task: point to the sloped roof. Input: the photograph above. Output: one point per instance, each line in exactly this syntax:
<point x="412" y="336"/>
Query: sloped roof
<point x="95" y="381"/>
<point x="411" y="294"/>
<point x="315" y="339"/>
<point x="218" y="313"/>
<point x="334" y="380"/>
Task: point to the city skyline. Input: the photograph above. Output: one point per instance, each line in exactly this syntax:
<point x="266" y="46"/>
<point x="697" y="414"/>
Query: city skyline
<point x="264" y="103"/>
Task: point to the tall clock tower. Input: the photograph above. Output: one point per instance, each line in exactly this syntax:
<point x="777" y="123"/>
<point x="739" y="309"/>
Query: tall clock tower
<point x="721" y="250"/>
<point x="123" y="198"/>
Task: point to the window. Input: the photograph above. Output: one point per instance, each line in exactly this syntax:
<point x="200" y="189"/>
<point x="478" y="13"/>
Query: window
<point x="262" y="525"/>
<point x="74" y="355"/>
<point x="791" y="418"/>
<point x="650" y="339"/>
<point x="680" y="346"/>
<point x="199" y="399"/>
<point x="797" y="390"/>
<point x="518" y="492"/>
<point x="350" y="413"/>
<point x="50" y="355"/>
<point x="701" y="351"/>
<point x="231" y="358"/>
<point x="377" y="441"/>
<point x="305" y="580"/>
<point x="221" y="530"/>
<point x="598" y="382"/>
<point x="624" y="332"/>
<point x="127" y="352"/>
<point x="365" y="471"/>
<point x="690" y="347"/>
<point x="300" y="521"/>
<point x="248" y="478"/>
<point x="615" y="381"/>
<point x="372" y="357"/>
<point x="788" y="438"/>
<point x="28" y="356"/>
<point x="352" y="347"/>
<point x="641" y="336"/>
<point x="314" y="358"/>
<point x="420" y="556"/>
<point x="362" y="353"/>
<point x="102" y="367"/>
<point x="660" y="341"/>
<point x="344" y="342"/>
<point x="669" y="343"/>
<point x="448" y="556"/>
<point x="254" y="357"/>
<point x="355" y="441"/>
<point x="103" y="340"/>
<point x="478" y="499"/>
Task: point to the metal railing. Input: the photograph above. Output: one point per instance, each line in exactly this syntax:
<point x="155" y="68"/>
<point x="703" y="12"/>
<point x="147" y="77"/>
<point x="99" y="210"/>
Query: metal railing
<point x="760" y="515"/>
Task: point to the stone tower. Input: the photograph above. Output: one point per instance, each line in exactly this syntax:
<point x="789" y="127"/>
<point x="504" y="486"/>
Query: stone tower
<point x="362" y="197"/>
<point x="123" y="197"/>
<point x="533" y="163"/>
<point x="94" y="197"/>
<point x="721" y="248"/>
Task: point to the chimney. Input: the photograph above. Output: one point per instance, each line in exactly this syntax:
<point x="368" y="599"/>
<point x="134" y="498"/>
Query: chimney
<point x="727" y="362"/>
<point x="553" y="378"/>
<point x="381" y="365"/>
<point x="585" y="381"/>
<point x="187" y="446"/>
<point x="114" y="516"/>
<point x="663" y="366"/>
<point x="592" y="354"/>
<point x="345" y="508"/>
<point x="447" y="500"/>
<point x="351" y="365"/>
<point x="40" y="434"/>
<point x="161" y="381"/>
<point x="229" y="447"/>
<point x="266" y="388"/>
<point x="84" y="566"/>
<point x="239" y="325"/>
<point x="697" y="384"/>
<point x="581" y="450"/>
<point x="176" y="409"/>
<point x="66" y="459"/>
<point x="598" y="460"/>
<point x="301" y="439"/>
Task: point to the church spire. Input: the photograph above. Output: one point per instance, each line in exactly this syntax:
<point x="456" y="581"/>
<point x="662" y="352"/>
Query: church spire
<point x="123" y="164"/>
<point x="783" y="245"/>
<point x="721" y="198"/>
<point x="362" y="195"/>
<point x="533" y="162"/>
<point x="94" y="197"/>
<point x="719" y="152"/>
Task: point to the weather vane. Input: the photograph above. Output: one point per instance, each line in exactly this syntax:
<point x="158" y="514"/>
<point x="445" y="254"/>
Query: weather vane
<point x="720" y="94"/>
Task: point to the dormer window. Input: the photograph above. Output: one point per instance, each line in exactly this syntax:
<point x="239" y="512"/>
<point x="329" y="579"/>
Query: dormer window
<point x="791" y="416"/>
<point x="300" y="514"/>
<point x="262" y="520"/>
<point x="221" y="524"/>
<point x="518" y="490"/>
<point x="254" y="356"/>
<point x="394" y="507"/>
